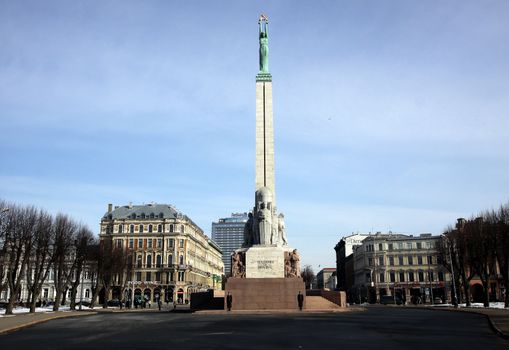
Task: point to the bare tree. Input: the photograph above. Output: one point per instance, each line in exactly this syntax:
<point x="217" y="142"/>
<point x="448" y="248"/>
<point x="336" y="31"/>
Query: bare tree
<point x="482" y="252"/>
<point x="20" y="232"/>
<point x="502" y="247"/>
<point x="63" y="256"/>
<point x="84" y="238"/>
<point x="92" y="261"/>
<point x="308" y="275"/>
<point x="4" y="208"/>
<point x="113" y="263"/>
<point x="39" y="264"/>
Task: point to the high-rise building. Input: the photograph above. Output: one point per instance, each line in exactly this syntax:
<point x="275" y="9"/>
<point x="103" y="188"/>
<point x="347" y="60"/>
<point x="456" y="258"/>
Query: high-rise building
<point x="228" y="233"/>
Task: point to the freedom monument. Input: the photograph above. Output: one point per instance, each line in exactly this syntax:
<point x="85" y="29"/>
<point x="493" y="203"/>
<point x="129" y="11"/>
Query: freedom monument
<point x="266" y="270"/>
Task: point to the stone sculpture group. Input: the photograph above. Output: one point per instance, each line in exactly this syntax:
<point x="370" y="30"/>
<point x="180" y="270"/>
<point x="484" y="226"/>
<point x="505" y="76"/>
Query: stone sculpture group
<point x="264" y="225"/>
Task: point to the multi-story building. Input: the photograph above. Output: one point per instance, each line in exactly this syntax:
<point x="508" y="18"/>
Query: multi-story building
<point x="344" y="261"/>
<point x="326" y="278"/>
<point x="229" y="234"/>
<point x="170" y="255"/>
<point x="402" y="265"/>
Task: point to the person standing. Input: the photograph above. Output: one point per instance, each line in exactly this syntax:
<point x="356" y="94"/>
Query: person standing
<point x="229" y="301"/>
<point x="300" y="300"/>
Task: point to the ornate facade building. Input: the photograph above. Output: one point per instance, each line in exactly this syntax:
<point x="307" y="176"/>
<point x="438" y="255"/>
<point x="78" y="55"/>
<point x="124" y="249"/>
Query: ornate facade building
<point x="168" y="255"/>
<point x="402" y="265"/>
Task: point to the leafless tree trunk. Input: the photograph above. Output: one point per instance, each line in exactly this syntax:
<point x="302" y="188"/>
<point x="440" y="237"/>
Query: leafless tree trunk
<point x="502" y="248"/>
<point x="82" y="244"/>
<point x="63" y="261"/>
<point x="4" y="237"/>
<point x="40" y="263"/>
<point x="20" y="229"/>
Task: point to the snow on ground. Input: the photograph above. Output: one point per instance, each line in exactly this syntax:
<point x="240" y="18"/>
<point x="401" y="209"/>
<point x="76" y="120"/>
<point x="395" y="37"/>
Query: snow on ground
<point x="24" y="310"/>
<point x="493" y="305"/>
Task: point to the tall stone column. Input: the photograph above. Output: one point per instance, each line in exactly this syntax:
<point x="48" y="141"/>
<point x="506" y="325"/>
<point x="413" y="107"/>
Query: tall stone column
<point x="264" y="119"/>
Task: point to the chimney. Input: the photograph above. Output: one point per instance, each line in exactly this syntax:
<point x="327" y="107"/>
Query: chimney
<point x="110" y="207"/>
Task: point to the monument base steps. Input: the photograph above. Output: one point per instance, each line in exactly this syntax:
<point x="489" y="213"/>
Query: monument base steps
<point x="265" y="293"/>
<point x="319" y="303"/>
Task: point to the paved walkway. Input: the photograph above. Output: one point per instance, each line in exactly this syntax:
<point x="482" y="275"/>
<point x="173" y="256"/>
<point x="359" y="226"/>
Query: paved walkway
<point x="12" y="323"/>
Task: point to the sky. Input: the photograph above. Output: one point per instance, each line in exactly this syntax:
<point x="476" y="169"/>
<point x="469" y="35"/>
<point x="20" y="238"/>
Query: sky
<point x="388" y="115"/>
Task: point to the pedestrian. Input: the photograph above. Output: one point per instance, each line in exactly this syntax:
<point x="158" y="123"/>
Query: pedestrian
<point x="229" y="301"/>
<point x="300" y="300"/>
<point x="159" y="304"/>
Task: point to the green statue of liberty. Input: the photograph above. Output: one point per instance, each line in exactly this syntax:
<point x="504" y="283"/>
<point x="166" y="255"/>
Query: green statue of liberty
<point x="263" y="24"/>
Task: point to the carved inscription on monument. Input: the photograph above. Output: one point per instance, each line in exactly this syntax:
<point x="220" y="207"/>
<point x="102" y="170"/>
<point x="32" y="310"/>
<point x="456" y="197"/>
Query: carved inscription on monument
<point x="265" y="262"/>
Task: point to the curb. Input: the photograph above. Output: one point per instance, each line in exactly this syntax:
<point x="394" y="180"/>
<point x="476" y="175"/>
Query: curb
<point x="54" y="317"/>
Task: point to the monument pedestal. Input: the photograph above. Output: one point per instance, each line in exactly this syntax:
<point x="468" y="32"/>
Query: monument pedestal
<point x="265" y="293"/>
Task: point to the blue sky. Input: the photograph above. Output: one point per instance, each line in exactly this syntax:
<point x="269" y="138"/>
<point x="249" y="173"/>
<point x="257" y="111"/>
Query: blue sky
<point x="389" y="115"/>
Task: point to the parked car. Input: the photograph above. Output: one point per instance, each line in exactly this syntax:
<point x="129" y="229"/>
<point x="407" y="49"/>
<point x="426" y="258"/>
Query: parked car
<point x="390" y="299"/>
<point x="113" y="302"/>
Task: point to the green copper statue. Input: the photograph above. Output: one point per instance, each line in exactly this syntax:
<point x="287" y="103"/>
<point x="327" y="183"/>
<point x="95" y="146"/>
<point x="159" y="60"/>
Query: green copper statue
<point x="263" y="24"/>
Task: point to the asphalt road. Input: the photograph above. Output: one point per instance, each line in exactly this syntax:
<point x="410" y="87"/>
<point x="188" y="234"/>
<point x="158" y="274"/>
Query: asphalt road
<point x="378" y="328"/>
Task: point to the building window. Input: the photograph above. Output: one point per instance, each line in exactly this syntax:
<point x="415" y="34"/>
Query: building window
<point x="409" y="245"/>
<point x="431" y="276"/>
<point x="181" y="243"/>
<point x="368" y="277"/>
<point x="419" y="260"/>
<point x="143" y="215"/>
<point x="171" y="243"/>
<point x="120" y="228"/>
<point x="119" y="243"/>
<point x="410" y="276"/>
<point x="171" y="228"/>
<point x="158" y="261"/>
<point x="381" y="260"/>
<point x="131" y="228"/>
<point x="181" y="260"/>
<point x="149" y="243"/>
<point x="158" y="276"/>
<point x="440" y="276"/>
<point x="149" y="276"/>
<point x="370" y="261"/>
<point x="402" y="277"/>
<point x="140" y="243"/>
<point x="392" y="276"/>
<point x="391" y="261"/>
<point x="410" y="260"/>
<point x="181" y="276"/>
<point x="421" y="276"/>
<point x="138" y="276"/>
<point x="382" y="277"/>
<point x="159" y="243"/>
<point x="391" y="246"/>
<point x="400" y="260"/>
<point x="131" y="243"/>
<point x="141" y="228"/>
<point x="138" y="262"/>
<point x="380" y="246"/>
<point x="149" y="228"/>
<point x="87" y="293"/>
<point x="400" y="245"/>
<point x="170" y="260"/>
<point x="182" y="229"/>
<point x="430" y="260"/>
<point x="159" y="228"/>
<point x="170" y="277"/>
